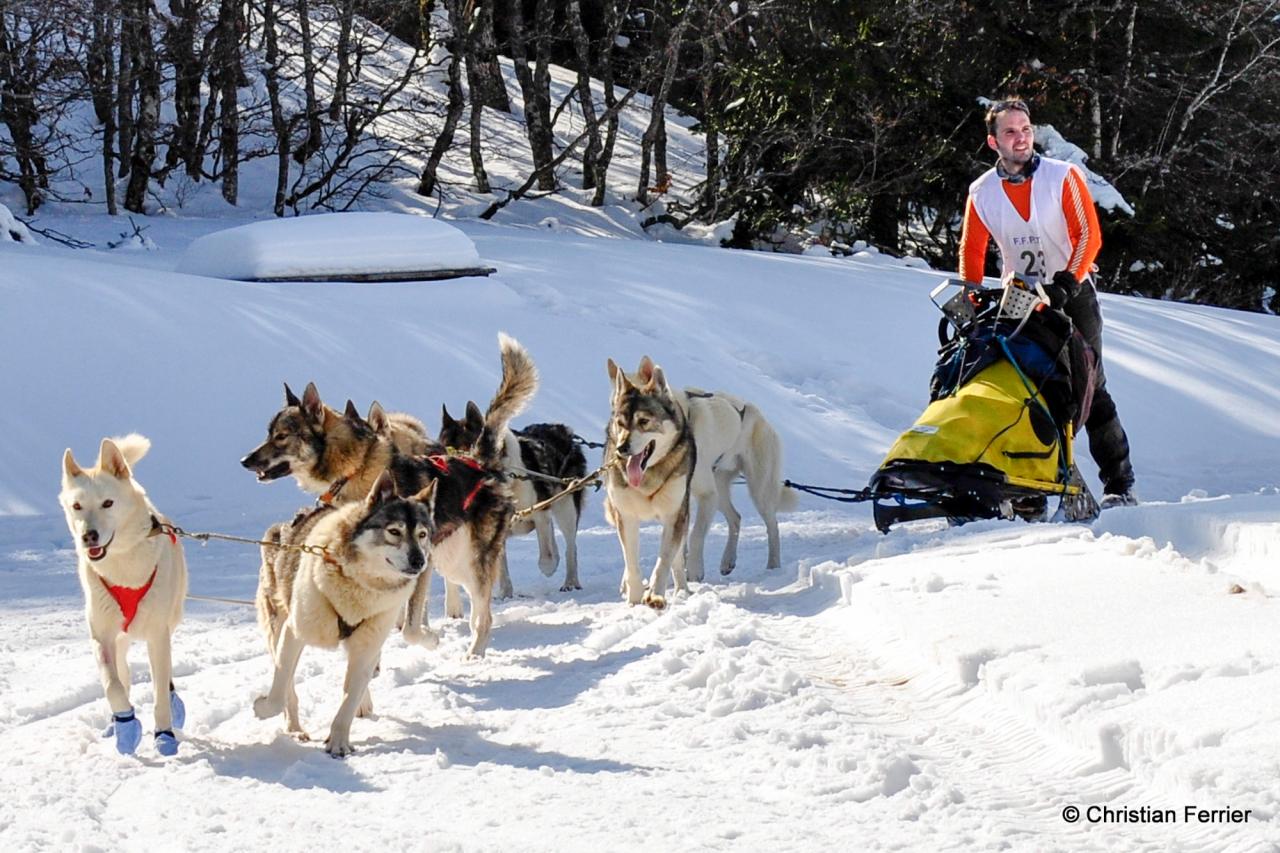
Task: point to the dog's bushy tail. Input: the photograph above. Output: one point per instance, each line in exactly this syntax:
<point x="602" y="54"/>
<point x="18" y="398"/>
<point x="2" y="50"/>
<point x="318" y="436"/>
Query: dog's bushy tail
<point x="764" y="468"/>
<point x="519" y="384"/>
<point x="132" y="447"/>
<point x="270" y="616"/>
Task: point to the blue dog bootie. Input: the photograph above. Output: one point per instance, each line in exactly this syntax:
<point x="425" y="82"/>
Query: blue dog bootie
<point x="166" y="743"/>
<point x="128" y="731"/>
<point x="177" y="710"/>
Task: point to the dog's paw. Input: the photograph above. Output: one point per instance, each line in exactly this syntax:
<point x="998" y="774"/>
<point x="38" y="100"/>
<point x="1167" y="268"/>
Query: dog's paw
<point x="128" y="732"/>
<point x="338" y="746"/>
<point x="548" y="565"/>
<point x="570" y="586"/>
<point x="657" y="602"/>
<point x="725" y="568"/>
<point x="166" y="743"/>
<point x="420" y="636"/>
<point x="177" y="710"/>
<point x="695" y="573"/>
<point x="365" y="708"/>
<point x="299" y="735"/>
<point x="265" y="709"/>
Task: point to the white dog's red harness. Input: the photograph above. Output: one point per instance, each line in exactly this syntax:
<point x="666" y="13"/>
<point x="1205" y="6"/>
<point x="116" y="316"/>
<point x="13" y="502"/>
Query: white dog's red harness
<point x="129" y="597"/>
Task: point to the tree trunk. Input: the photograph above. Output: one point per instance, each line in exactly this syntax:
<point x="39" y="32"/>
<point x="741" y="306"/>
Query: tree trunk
<point x="102" y="70"/>
<point x="484" y="75"/>
<point x="582" y="48"/>
<point x="19" y="113"/>
<point x="656" y="129"/>
<point x="279" y="124"/>
<point x="537" y="106"/>
<point x="229" y="72"/>
<point x="710" y="109"/>
<point x="429" y="180"/>
<point x="147" y="121"/>
<point x="180" y="42"/>
<point x="315" y="131"/>
<point x="344" y="60"/>
<point x="615" y="13"/>
<point x="124" y="91"/>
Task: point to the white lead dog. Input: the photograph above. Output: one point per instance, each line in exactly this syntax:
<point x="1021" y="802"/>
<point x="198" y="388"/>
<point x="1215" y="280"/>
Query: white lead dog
<point x="134" y="583"/>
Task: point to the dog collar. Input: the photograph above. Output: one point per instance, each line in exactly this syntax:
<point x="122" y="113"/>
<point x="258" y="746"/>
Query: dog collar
<point x="128" y="598"/>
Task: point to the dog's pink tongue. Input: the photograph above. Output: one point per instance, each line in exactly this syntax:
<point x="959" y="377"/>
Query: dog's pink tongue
<point x="635" y="469"/>
<point x="96" y="553"/>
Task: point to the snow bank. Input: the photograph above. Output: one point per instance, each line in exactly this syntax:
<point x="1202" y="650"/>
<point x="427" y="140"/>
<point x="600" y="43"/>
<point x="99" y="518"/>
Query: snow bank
<point x="11" y="230"/>
<point x="330" y="246"/>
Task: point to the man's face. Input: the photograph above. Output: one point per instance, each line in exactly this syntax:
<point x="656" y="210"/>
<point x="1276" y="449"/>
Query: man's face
<point x="1014" y="139"/>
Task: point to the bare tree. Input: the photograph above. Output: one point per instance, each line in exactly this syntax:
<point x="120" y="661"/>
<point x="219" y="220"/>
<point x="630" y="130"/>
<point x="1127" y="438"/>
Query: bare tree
<point x="484" y="75"/>
<point x="146" y="77"/>
<point x="670" y="52"/>
<point x="615" y="13"/>
<point x="459" y="14"/>
<point x="181" y="31"/>
<point x="582" y="50"/>
<point x="535" y="85"/>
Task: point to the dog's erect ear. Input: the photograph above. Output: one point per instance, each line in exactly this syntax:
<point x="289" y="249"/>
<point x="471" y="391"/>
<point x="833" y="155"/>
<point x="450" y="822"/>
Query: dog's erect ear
<point x="351" y="413"/>
<point x="446" y="420"/>
<point x="620" y="381"/>
<point x="383" y="490"/>
<point x="475" y="417"/>
<point x="311" y="405"/>
<point x="659" y="379"/>
<point x="377" y="417"/>
<point x="644" y="373"/>
<point x="69" y="467"/>
<point x="290" y="398"/>
<point x="112" y="461"/>
<point x="427" y="495"/>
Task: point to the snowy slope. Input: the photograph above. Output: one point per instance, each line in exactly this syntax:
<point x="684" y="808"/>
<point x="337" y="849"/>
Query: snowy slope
<point x="930" y="689"/>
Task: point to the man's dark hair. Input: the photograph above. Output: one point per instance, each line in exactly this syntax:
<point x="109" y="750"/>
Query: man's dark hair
<point x="994" y="111"/>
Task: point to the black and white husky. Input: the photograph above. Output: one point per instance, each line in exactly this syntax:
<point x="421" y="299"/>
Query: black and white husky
<point x="537" y="458"/>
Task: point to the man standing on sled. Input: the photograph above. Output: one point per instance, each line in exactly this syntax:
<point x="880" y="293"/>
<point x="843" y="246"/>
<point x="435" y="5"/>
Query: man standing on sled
<point x="1039" y="212"/>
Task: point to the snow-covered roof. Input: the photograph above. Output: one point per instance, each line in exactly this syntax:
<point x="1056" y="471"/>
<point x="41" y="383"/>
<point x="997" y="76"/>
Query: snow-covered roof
<point x="335" y="246"/>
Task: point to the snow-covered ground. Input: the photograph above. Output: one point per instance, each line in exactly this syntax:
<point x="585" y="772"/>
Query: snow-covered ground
<point x="931" y="689"/>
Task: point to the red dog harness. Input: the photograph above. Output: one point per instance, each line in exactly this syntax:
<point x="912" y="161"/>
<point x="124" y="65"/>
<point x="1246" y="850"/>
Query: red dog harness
<point x="128" y="598"/>
<point x="441" y="461"/>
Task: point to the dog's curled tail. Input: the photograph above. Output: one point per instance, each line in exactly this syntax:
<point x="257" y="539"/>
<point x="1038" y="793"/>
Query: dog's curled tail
<point x="132" y="447"/>
<point x="519" y="384"/>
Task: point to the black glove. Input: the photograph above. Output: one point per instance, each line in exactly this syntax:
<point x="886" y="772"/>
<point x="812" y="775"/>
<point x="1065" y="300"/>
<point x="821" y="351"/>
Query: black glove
<point x="1062" y="289"/>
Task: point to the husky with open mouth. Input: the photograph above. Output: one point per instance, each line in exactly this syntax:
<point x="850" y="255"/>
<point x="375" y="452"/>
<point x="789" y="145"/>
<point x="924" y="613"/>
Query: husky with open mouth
<point x="134" y="583"/>
<point x="669" y="448"/>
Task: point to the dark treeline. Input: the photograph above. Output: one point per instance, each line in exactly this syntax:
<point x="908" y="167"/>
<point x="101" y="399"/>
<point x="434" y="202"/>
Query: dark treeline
<point x="826" y="121"/>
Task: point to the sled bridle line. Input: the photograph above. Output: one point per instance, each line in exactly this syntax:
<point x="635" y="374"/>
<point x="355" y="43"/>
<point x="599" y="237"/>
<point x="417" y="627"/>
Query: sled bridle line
<point x="174" y="530"/>
<point x="592" y="479"/>
<point x="849" y="496"/>
<point x="162" y="527"/>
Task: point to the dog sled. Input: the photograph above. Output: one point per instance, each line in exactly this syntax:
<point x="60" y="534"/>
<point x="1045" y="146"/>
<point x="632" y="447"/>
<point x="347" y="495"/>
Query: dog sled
<point x="1012" y="381"/>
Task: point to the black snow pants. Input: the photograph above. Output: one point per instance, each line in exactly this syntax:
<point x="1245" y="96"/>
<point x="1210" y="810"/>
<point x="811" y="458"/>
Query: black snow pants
<point x="1108" y="443"/>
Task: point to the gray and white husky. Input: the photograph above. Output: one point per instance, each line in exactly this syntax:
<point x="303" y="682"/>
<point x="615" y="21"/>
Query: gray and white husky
<point x="670" y="448"/>
<point x="134" y="582"/>
<point x="350" y="593"/>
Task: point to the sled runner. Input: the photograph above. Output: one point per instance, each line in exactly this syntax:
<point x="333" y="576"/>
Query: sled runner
<point x="1012" y="380"/>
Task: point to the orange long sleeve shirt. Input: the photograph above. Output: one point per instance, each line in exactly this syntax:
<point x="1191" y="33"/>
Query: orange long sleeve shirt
<point x="1077" y="207"/>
